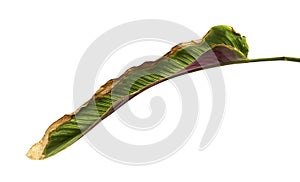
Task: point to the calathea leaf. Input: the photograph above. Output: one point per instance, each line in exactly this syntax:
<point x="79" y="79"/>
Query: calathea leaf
<point x="220" y="46"/>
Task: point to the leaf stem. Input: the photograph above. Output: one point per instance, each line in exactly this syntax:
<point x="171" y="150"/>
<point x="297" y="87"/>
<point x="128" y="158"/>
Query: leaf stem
<point x="282" y="58"/>
<point x="241" y="61"/>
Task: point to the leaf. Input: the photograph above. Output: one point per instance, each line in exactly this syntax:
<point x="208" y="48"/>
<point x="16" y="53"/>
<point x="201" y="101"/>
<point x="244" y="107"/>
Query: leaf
<point x="220" y="46"/>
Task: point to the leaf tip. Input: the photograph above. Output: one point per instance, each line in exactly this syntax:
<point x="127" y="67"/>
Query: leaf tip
<point x="36" y="151"/>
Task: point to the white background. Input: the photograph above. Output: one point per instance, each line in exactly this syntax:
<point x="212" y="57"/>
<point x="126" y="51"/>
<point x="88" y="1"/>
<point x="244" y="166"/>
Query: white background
<point x="42" y="43"/>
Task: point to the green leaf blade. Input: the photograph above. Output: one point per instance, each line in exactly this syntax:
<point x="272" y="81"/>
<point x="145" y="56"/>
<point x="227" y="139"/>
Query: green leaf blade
<point x="218" y="47"/>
